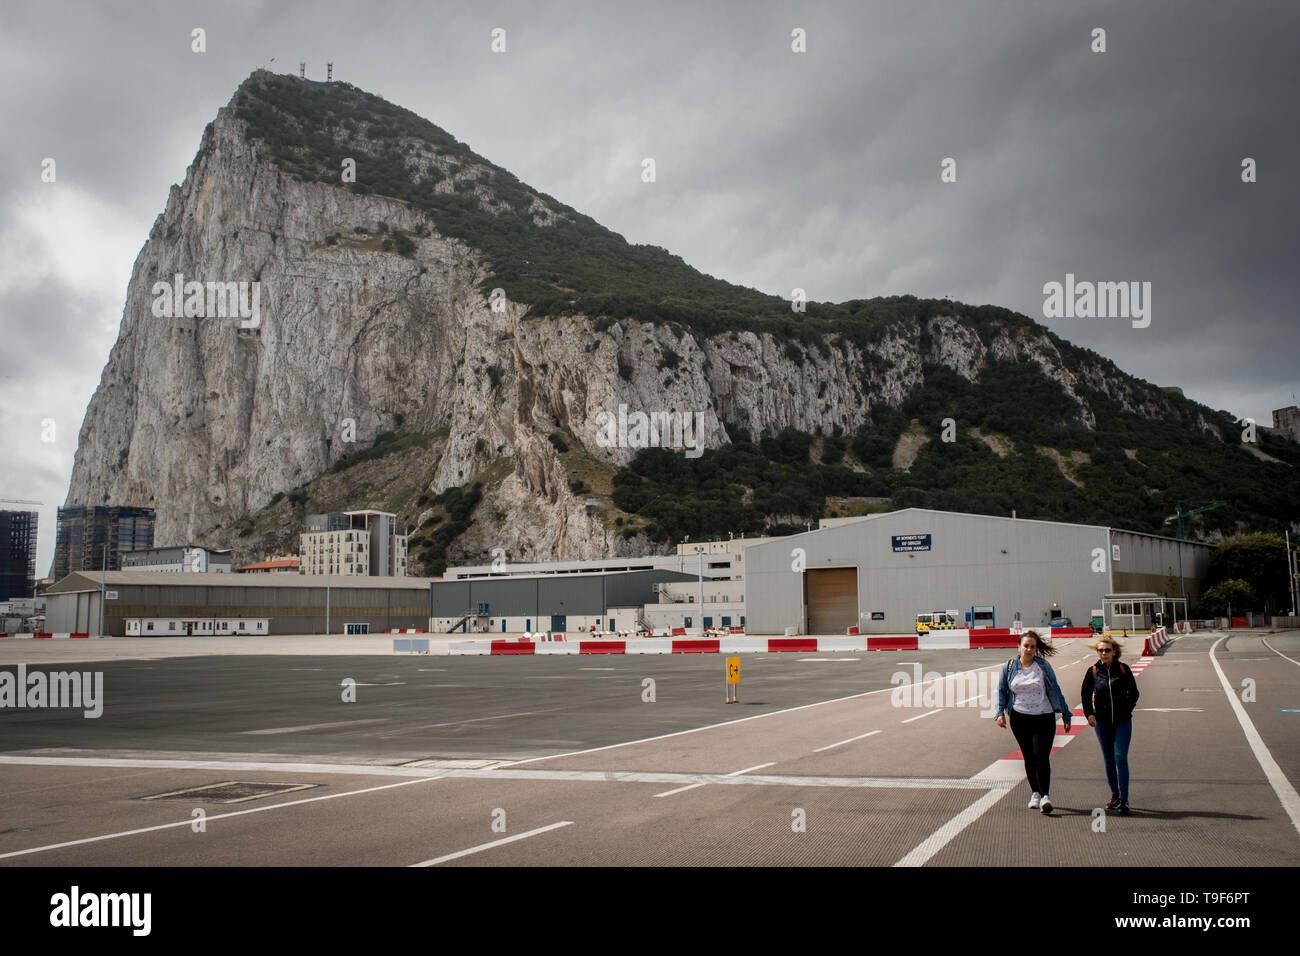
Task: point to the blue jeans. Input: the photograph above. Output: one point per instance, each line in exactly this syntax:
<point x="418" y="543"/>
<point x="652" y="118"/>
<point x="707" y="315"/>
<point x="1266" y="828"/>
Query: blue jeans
<point x="1114" y="740"/>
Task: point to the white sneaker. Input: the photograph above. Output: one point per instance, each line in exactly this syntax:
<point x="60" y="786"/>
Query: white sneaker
<point x="1033" y="802"/>
<point x="1046" y="804"/>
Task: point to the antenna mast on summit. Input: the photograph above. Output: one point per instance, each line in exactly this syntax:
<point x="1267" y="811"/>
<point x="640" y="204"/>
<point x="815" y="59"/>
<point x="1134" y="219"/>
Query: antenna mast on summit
<point x="329" y="72"/>
<point x="302" y="69"/>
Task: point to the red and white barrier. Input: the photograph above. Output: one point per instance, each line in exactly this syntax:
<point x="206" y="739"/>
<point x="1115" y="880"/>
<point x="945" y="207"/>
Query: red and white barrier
<point x="1068" y="631"/>
<point x="19" y="636"/>
<point x="61" y="636"/>
<point x="405" y="630"/>
<point x="956" y="640"/>
<point x="1157" y="639"/>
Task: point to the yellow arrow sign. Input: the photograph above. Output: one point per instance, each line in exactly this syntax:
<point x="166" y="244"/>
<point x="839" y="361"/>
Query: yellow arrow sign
<point x="733" y="670"/>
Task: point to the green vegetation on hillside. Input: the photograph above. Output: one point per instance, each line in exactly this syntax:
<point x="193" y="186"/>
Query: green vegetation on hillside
<point x="456" y="513"/>
<point x="385" y="443"/>
<point x="576" y="265"/>
<point x="1173" y="461"/>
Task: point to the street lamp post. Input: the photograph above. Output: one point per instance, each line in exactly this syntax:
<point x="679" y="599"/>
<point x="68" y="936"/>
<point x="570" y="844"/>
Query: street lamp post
<point x="1290" y="573"/>
<point x="103" y="573"/>
<point x="700" y="553"/>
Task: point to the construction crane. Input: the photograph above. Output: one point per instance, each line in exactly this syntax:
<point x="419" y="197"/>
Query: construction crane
<point x="1181" y="514"/>
<point x="20" y="501"/>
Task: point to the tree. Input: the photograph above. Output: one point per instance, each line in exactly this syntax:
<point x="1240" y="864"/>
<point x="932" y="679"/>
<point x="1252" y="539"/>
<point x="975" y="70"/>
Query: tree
<point x="1234" y="593"/>
<point x="1258" y="559"/>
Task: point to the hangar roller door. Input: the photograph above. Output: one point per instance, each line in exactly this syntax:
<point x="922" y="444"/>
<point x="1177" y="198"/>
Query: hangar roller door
<point x="831" y="597"/>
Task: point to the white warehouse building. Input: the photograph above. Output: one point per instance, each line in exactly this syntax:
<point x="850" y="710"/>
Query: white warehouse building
<point x="880" y="571"/>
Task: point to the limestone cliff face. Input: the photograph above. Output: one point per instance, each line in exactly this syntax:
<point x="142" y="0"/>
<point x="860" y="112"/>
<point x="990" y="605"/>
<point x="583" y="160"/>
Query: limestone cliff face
<point x="206" y="421"/>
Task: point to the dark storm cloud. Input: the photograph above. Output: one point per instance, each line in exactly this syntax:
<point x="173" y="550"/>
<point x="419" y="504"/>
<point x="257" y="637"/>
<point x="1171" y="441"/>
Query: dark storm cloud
<point x="44" y="331"/>
<point x="775" y="169"/>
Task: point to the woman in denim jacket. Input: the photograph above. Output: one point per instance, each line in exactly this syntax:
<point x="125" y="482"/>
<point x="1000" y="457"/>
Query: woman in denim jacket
<point x="1030" y="694"/>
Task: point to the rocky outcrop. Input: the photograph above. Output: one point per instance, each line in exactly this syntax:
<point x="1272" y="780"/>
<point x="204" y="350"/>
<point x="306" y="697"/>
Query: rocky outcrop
<point x="206" y="419"/>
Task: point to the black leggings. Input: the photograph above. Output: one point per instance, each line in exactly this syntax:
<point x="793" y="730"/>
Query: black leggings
<point x="1035" y="733"/>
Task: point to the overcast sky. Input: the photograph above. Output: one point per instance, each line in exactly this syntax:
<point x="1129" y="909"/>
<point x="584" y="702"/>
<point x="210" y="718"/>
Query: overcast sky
<point x="776" y="169"/>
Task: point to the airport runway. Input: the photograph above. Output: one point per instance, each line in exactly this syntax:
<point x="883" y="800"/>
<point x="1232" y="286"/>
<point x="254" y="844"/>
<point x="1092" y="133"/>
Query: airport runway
<point x="566" y="760"/>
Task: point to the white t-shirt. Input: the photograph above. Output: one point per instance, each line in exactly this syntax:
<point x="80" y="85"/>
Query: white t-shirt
<point x="1030" y="689"/>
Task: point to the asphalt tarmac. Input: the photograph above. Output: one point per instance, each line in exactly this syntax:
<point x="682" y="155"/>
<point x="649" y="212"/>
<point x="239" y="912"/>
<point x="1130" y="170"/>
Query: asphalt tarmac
<point x="455" y="761"/>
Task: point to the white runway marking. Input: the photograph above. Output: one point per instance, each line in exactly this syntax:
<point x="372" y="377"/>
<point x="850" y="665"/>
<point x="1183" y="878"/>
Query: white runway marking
<point x="487" y="846"/>
<point x="294" y="730"/>
<point x="1000" y="771"/>
<point x="737" y="773"/>
<point x="210" y="817"/>
<point x="1286" y="793"/>
<point x="505" y="771"/>
<point x="729" y="723"/>
<point x="1277" y="652"/>
<point x="920" y="716"/>
<point x="477" y="720"/>
<point x="829" y="660"/>
<point x="843" y="742"/>
<point x="669" y="793"/>
<point x="944" y="835"/>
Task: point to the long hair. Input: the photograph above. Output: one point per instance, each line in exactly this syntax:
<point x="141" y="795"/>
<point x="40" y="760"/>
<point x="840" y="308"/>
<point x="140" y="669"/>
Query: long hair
<point x="1114" y="642"/>
<point x="1042" y="647"/>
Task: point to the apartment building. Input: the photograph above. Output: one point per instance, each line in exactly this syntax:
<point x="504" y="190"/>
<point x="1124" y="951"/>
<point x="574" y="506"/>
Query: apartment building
<point x="355" y="543"/>
<point x="17" y="554"/>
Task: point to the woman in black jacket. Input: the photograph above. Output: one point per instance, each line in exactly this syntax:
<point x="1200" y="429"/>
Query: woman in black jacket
<point x="1109" y="695"/>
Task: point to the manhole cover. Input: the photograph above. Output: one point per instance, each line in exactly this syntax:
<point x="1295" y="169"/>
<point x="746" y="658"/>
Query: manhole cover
<point x="230" y="791"/>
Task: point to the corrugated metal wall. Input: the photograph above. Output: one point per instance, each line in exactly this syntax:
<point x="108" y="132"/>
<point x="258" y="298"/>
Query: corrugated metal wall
<point x="1151" y="564"/>
<point x="636" y="588"/>
<point x="291" y="610"/>
<point x="541" y="597"/>
<point x="972" y="560"/>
